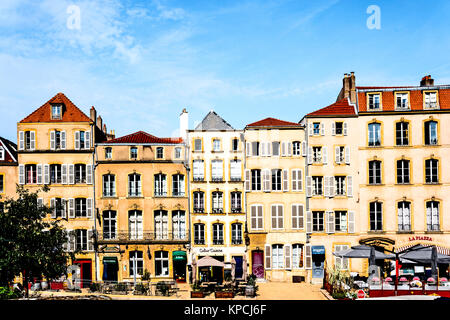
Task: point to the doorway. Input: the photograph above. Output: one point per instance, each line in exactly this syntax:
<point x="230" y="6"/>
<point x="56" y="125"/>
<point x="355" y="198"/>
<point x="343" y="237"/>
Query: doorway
<point x="258" y="263"/>
<point x="85" y="272"/>
<point x="110" y="269"/>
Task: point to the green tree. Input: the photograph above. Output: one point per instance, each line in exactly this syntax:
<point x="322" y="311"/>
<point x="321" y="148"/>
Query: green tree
<point x="30" y="244"/>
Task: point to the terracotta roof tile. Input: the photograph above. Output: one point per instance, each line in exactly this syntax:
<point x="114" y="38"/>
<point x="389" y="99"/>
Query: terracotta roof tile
<point x="71" y="113"/>
<point x="272" y="122"/>
<point x="143" y="137"/>
<point x="339" y="108"/>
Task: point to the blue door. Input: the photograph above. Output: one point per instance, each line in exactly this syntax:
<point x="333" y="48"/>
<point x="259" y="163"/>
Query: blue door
<point x="239" y="270"/>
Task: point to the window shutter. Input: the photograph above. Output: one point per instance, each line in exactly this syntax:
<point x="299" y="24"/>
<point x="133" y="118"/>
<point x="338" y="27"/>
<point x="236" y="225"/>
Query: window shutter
<point x="308" y="222"/>
<point x="331" y="186"/>
<point x="89" y="203"/>
<point x="325" y="155"/>
<point x="345" y="128"/>
<point x="52" y="140"/>
<point x="266" y="180"/>
<point x="337" y="157"/>
<point x="326" y="186"/>
<point x="89" y="174"/>
<point x="269" y="149"/>
<point x="322" y="129"/>
<point x="285" y="180"/>
<point x="21" y="174"/>
<point x="64" y="173"/>
<point x="87" y="143"/>
<point x="90" y="240"/>
<point x="262" y="148"/>
<point x="294" y="216"/>
<point x="253" y="218"/>
<point x="52" y="205"/>
<point x="304" y="148"/>
<point x="294" y="179"/>
<point x="39" y="173"/>
<point x="310" y="129"/>
<point x="299" y="180"/>
<point x="274" y="216"/>
<point x="21" y="140"/>
<point x="308" y="257"/>
<point x="289" y="148"/>
<point x="333" y="128"/>
<point x="351" y="222"/>
<point x="64" y="213"/>
<point x="77" y="140"/>
<point x="330" y="222"/>
<point x="71" y="174"/>
<point x="349" y="186"/>
<point x="46" y="173"/>
<point x="308" y="186"/>
<point x="40" y="202"/>
<point x="260" y="217"/>
<point x="70" y="246"/>
<point x="301" y="217"/>
<point x="71" y="208"/>
<point x="268" y="256"/>
<point x="310" y="155"/>
<point x="248" y="148"/>
<point x="63" y="140"/>
<point x="32" y="140"/>
<point x="347" y="155"/>
<point x="287" y="256"/>
<point x="247" y="180"/>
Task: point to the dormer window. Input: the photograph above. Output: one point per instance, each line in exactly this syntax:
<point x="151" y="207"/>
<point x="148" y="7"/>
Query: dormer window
<point x="402" y="100"/>
<point x="430" y="100"/>
<point x="56" y="111"/>
<point x="374" y="101"/>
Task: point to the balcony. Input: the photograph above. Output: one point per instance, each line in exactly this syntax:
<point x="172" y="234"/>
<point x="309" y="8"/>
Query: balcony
<point x="217" y="210"/>
<point x="199" y="210"/>
<point x="216" y="179"/>
<point x="236" y="209"/>
<point x="178" y="194"/>
<point x="235" y="179"/>
<point x="198" y="179"/>
<point x="160" y="193"/>
<point x="431" y="105"/>
<point x="144" y="237"/>
<point x="236" y="241"/>
<point x="217" y="241"/>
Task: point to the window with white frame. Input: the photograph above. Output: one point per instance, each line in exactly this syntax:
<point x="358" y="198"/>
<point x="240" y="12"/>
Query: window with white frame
<point x="430" y="100"/>
<point x="216" y="145"/>
<point x="296" y="148"/>
<point x="161" y="225"/>
<point x="277" y="179"/>
<point x="217" y="170"/>
<point x="108" y="153"/>
<point x="236" y="202"/>
<point x="136" y="263"/>
<point x="177" y="153"/>
<point x="134" y="185"/>
<point x="80" y="173"/>
<point x="376" y="216"/>
<point x="404" y="216"/>
<point x="297" y="216"/>
<point x="109" y="185"/>
<point x="109" y="224"/>
<point x="373" y="101"/>
<point x="317" y="154"/>
<point x="431" y="171"/>
<point x="178" y="185"/>
<point x="403" y="171"/>
<point x="374" y="172"/>
<point x="339" y="185"/>
<point x="55" y="173"/>
<point x="199" y="233"/>
<point x="31" y="173"/>
<point x="340" y="154"/>
<point x="161" y="263"/>
<point x="236" y="233"/>
<point x="255" y="148"/>
<point x="297" y="256"/>
<point x="340" y="221"/>
<point x="199" y="170"/>
<point x="160" y="185"/>
<point x="277" y="256"/>
<point x="199" y="202"/>
<point x="256" y="217"/>
<point x="256" y="179"/>
<point x="198" y="145"/>
<point x="402" y="100"/>
<point x="135" y="224"/>
<point x="431" y="137"/>
<point x="277" y="216"/>
<point x="56" y="111"/>
<point x="275" y="148"/>
<point x="374" y="134"/>
<point x="339" y="128"/>
<point x="179" y="224"/>
<point x="81" y="239"/>
<point x="340" y="263"/>
<point x="317" y="185"/>
<point x="159" y="153"/>
<point x="133" y="152"/>
<point x="433" y="222"/>
<point x="297" y="180"/>
<point x="217" y="202"/>
<point x="401" y="133"/>
<point x="59" y="206"/>
<point x="316" y="128"/>
<point x="235" y="170"/>
<point x="217" y="233"/>
<point x="318" y="221"/>
<point x="235" y="144"/>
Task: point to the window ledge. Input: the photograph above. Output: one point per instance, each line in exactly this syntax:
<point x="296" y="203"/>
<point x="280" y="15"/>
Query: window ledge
<point x="405" y="232"/>
<point x="376" y="232"/>
<point x="434" y="232"/>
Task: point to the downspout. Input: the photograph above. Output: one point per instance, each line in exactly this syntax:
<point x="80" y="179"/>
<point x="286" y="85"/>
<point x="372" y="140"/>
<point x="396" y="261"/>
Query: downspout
<point x="188" y="170"/>
<point x="94" y="165"/>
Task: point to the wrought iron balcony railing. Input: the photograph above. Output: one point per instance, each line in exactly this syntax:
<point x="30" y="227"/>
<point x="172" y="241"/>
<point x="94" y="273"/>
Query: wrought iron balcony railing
<point x="144" y="236"/>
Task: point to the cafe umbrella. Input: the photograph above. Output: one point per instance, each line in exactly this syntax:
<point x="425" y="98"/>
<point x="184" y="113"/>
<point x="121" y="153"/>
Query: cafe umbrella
<point x="363" y="252"/>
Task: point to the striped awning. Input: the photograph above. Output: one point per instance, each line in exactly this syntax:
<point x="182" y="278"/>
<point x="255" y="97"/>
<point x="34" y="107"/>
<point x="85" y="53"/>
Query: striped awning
<point x="440" y="249"/>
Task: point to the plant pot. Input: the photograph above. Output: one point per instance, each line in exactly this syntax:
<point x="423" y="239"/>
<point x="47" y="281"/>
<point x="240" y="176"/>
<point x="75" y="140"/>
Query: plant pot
<point x="224" y="294"/>
<point x="249" y="291"/>
<point x="197" y="294"/>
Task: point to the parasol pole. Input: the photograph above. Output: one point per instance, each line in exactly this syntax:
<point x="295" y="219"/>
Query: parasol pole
<point x="396" y="274"/>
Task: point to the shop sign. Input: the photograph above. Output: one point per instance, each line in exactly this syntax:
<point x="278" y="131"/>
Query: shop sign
<point x="210" y="250"/>
<point x="361" y="294"/>
<point x="416" y="238"/>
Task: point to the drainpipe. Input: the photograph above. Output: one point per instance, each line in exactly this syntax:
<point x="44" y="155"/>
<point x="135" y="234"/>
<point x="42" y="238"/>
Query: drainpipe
<point x="94" y="165"/>
<point x="188" y="170"/>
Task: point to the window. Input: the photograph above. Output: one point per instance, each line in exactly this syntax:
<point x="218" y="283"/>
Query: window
<point x="277" y="256"/>
<point x="431" y="137"/>
<point x="374" y="101"/>
<point x="296" y="148"/>
<point x="339" y="127"/>
<point x="340" y="154"/>
<point x="235" y="144"/>
<point x="29" y="140"/>
<point x="160" y="153"/>
<point x="216" y="145"/>
<point x="341" y="263"/>
<point x="404" y="216"/>
<point x="339" y="185"/>
<point x="178" y="185"/>
<point x="236" y="233"/>
<point x="297" y="256"/>
<point x="109" y="224"/>
<point x="161" y="224"/>
<point x="198" y="145"/>
<point x="277" y="216"/>
<point x="135" y="224"/>
<point x="402" y="100"/>
<point x="55" y="173"/>
<point x="317" y="185"/>
<point x="374" y="172"/>
<point x="317" y="221"/>
<point x="235" y="170"/>
<point x="217" y="170"/>
<point x="256" y="180"/>
<point x="403" y="171"/>
<point x="134" y="185"/>
<point x="430" y="100"/>
<point x="133" y="152"/>
<point x="316" y="128"/>
<point x="31" y="173"/>
<point x="80" y="207"/>
<point x="401" y="133"/>
<point x="297" y="182"/>
<point x="433" y="223"/>
<point x="179" y="224"/>
<point x="236" y="205"/>
<point x="161" y="263"/>
<point x="83" y="139"/>
<point x="81" y="240"/>
<point x="80" y="173"/>
<point x="276" y="179"/>
<point x="217" y="202"/>
<point x="109" y="185"/>
<point x="374" y="134"/>
<point x="108" y="153"/>
<point x="177" y="153"/>
<point x="317" y="154"/>
<point x="59" y="207"/>
<point x="255" y="148"/>
<point x="56" y="140"/>
<point x="275" y="148"/>
<point x="376" y="216"/>
<point x="56" y="112"/>
<point x="136" y="263"/>
<point x="340" y="221"/>
<point x="431" y="171"/>
<point x="199" y="201"/>
<point x="217" y="233"/>
<point x="297" y="216"/>
<point x="256" y="217"/>
<point x="160" y="185"/>
<point x="199" y="233"/>
<point x="199" y="171"/>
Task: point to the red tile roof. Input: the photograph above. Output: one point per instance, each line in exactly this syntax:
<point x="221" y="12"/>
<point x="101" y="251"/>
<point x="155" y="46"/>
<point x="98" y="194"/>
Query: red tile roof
<point x="272" y="122"/>
<point x="143" y="137"/>
<point x="71" y="113"/>
<point x="339" y="108"/>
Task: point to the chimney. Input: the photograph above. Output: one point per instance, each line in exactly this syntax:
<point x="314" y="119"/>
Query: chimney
<point x="104" y="128"/>
<point x="93" y="114"/>
<point x="184" y="123"/>
<point x="349" y="87"/>
<point x="99" y="122"/>
<point x="427" y="81"/>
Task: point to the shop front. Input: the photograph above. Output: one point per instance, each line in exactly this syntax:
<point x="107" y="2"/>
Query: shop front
<point x="179" y="260"/>
<point x="318" y="263"/>
<point x="83" y="275"/>
<point x="110" y="269"/>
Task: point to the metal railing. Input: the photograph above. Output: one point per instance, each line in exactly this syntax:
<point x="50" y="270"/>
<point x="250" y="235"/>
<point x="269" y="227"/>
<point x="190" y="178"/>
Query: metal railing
<point x="145" y="236"/>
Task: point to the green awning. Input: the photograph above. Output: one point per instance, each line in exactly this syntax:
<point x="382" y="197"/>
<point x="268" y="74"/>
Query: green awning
<point x="179" y="255"/>
<point x="110" y="260"/>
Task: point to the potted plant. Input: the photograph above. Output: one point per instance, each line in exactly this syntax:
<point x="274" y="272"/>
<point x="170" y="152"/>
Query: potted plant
<point x="197" y="291"/>
<point x="140" y="289"/>
<point x="163" y="288"/>
<point x="251" y="288"/>
<point x="120" y="288"/>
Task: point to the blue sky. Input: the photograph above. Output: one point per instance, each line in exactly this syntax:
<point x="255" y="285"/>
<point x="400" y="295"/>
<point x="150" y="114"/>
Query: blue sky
<point x="140" y="62"/>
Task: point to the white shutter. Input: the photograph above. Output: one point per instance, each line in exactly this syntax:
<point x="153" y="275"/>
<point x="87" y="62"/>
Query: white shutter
<point x="308" y="222"/>
<point x="310" y="155"/>
<point x="294" y="179"/>
<point x="331" y="186"/>
<point x="304" y="148"/>
<point x="308" y="257"/>
<point x="52" y="140"/>
<point x="349" y="186"/>
<point x="90" y="240"/>
<point x="330" y="221"/>
<point x="87" y="142"/>
<point x="269" y="149"/>
<point x="46" y="173"/>
<point x="63" y="140"/>
<point x="32" y="140"/>
<point x="89" y="203"/>
<point x="347" y="155"/>
<point x="64" y="213"/>
<point x="262" y="147"/>
<point x="39" y="173"/>
<point x="345" y="128"/>
<point x="287" y="256"/>
<point x="89" y="174"/>
<point x="299" y="180"/>
<point x="40" y="202"/>
<point x="333" y="128"/>
<point x="64" y="173"/>
<point x="289" y="148"/>
<point x="71" y="174"/>
<point x="77" y="140"/>
<point x="21" y="174"/>
<point x="301" y="217"/>
<point x="351" y="222"/>
<point x="52" y="205"/>
<point x="285" y="180"/>
<point x="248" y="148"/>
<point x="325" y="155"/>
<point x="283" y="149"/>
<point x="268" y="257"/>
<point x="310" y="129"/>
<point x="326" y="186"/>
<point x="337" y="157"/>
<point x="322" y="129"/>
<point x="21" y="140"/>
<point x="308" y="186"/>
<point x="71" y="208"/>
<point x="247" y="180"/>
<point x="266" y="180"/>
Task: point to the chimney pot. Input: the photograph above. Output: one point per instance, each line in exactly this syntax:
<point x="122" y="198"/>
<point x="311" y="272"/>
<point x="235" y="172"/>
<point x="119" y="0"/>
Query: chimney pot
<point x="427" y="81"/>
